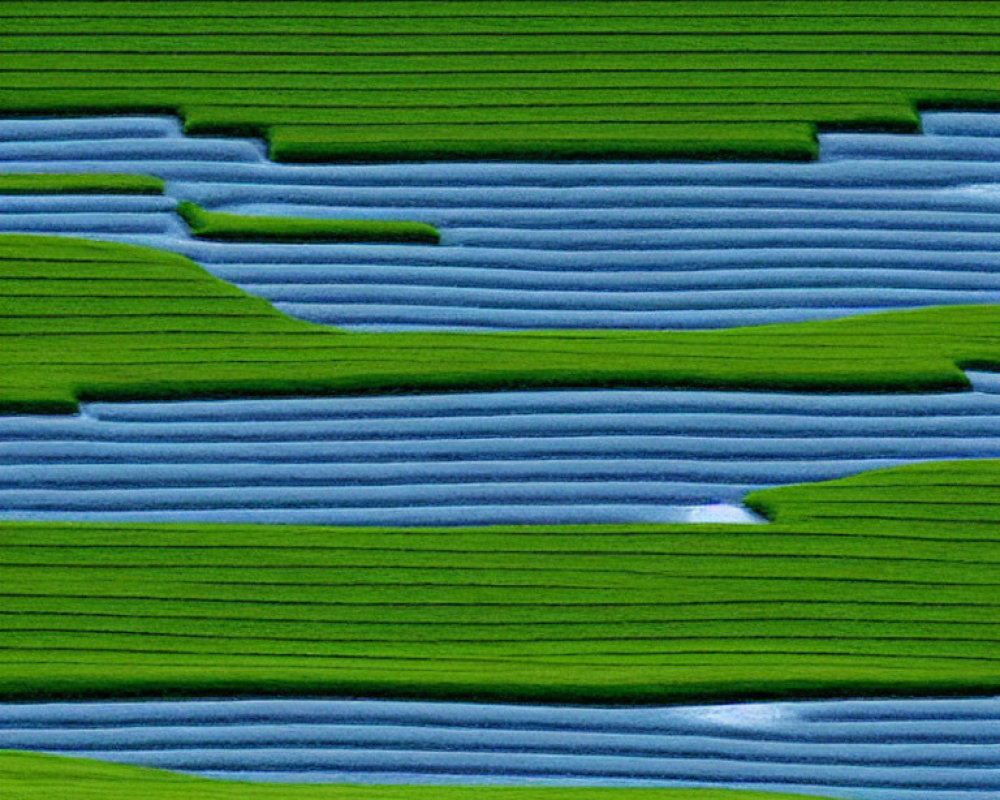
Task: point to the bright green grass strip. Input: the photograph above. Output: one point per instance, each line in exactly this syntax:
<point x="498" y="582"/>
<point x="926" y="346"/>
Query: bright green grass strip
<point x="94" y="320"/>
<point x="112" y="92"/>
<point x="384" y="27"/>
<point x="80" y="184"/>
<point x="30" y="776"/>
<point x="452" y="39"/>
<point x="786" y="141"/>
<point x="881" y="583"/>
<point x="445" y="9"/>
<point x="242" y="228"/>
<point x="111" y="87"/>
<point x="101" y="57"/>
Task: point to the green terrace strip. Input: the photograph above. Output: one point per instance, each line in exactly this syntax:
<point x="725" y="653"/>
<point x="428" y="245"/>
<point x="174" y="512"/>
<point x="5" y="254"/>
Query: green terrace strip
<point x="85" y="320"/>
<point x="883" y="583"/>
<point x="508" y="79"/>
<point x="29" y="776"/>
<point x="41" y="183"/>
<point x="241" y="228"/>
<point x="315" y="143"/>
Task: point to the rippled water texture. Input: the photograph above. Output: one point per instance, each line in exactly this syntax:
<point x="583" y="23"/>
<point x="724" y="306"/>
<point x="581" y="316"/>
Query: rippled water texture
<point x="471" y="459"/>
<point x="863" y="749"/>
<point x="880" y="222"/>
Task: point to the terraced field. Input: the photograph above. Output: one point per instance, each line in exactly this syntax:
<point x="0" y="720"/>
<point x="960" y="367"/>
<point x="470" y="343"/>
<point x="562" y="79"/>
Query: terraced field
<point x="97" y="321"/>
<point x="471" y="459"/>
<point x="510" y="79"/>
<point x="879" y="583"/>
<point x="29" y="776"/>
<point x="881" y="222"/>
<point x="549" y="303"/>
<point x="920" y="749"/>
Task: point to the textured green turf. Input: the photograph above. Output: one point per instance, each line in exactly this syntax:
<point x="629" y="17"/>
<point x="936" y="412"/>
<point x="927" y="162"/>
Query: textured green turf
<point x="41" y="183"/>
<point x="241" y="228"/>
<point x="880" y="583"/>
<point x="29" y="776"/>
<point x="509" y="78"/>
<point x="95" y="320"/>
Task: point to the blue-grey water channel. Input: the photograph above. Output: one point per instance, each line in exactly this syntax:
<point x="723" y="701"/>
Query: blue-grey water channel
<point x="934" y="749"/>
<point x="471" y="459"/>
<point x="880" y="222"/>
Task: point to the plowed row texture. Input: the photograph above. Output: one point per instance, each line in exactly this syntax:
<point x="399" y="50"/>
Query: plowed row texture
<point x="880" y="583"/>
<point x="101" y="321"/>
<point x="391" y="80"/>
<point x="883" y="583"/>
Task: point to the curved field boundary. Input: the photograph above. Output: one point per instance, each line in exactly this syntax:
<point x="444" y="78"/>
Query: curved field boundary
<point x="446" y="80"/>
<point x="28" y="776"/>
<point x="97" y="321"/>
<point x="468" y="459"/>
<point x="853" y="749"/>
<point x="880" y="223"/>
<point x="880" y="583"/>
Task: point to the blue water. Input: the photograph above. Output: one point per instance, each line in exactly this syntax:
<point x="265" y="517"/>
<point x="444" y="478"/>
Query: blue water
<point x="471" y="459"/>
<point x="879" y="222"/>
<point x="859" y="749"/>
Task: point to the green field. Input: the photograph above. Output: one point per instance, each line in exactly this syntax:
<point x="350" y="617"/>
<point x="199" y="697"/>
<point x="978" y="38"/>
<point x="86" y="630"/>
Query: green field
<point x="882" y="583"/>
<point x="510" y="78"/>
<point x="42" y="183"/>
<point x="242" y="228"/>
<point x="83" y="320"/>
<point x="27" y="776"/>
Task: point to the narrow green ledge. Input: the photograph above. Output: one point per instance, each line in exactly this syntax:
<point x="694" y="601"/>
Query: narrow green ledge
<point x="67" y="183"/>
<point x="247" y="228"/>
<point x="880" y="584"/>
<point x="30" y="776"/>
<point x="85" y="320"/>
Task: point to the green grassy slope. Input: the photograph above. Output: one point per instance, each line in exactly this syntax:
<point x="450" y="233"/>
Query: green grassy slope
<point x="94" y="320"/>
<point x="28" y="776"/>
<point x="243" y="228"/>
<point x="98" y="183"/>
<point x="881" y="583"/>
<point x="510" y="78"/>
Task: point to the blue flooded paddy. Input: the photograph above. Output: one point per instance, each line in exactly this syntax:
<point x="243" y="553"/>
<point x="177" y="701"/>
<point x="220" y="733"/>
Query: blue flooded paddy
<point x="471" y="459"/>
<point x="856" y="749"/>
<point x="880" y="222"/>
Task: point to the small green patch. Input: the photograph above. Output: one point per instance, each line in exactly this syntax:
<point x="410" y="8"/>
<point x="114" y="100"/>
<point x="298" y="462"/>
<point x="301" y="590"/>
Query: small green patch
<point x="63" y="183"/>
<point x="240" y="228"/>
